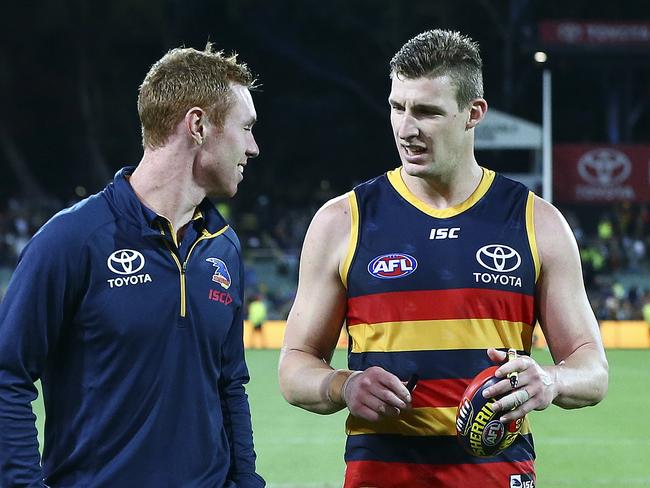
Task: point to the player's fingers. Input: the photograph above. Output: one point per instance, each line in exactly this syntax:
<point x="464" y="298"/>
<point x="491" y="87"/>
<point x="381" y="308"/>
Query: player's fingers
<point x="394" y="384"/>
<point x="505" y="386"/>
<point x="512" y="401"/>
<point x="380" y="407"/>
<point x="390" y="398"/>
<point x="519" y="365"/>
<point x="496" y="356"/>
<point x="389" y="411"/>
<point x="366" y="413"/>
<point x="498" y="389"/>
<point x="519" y="412"/>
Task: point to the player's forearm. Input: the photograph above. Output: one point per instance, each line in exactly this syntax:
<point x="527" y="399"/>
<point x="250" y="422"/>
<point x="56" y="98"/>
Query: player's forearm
<point x="310" y="383"/>
<point x="581" y="379"/>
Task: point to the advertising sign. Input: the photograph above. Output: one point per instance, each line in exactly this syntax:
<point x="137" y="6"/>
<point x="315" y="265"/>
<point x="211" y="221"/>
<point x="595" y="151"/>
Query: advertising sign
<point x="601" y="173"/>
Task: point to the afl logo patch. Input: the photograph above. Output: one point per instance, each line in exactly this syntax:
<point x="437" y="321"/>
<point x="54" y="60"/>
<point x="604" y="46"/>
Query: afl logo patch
<point x="389" y="266"/>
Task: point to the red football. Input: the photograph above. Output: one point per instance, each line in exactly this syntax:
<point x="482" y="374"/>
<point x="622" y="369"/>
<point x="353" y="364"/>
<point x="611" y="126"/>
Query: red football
<point x="478" y="428"/>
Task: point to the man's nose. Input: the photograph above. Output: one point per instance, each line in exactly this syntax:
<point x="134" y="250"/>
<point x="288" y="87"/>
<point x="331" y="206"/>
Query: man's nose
<point x="253" y="150"/>
<point x="407" y="128"/>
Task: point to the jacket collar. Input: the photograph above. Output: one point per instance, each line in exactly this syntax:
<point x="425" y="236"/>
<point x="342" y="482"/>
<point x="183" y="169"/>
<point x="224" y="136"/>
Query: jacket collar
<point x="122" y="196"/>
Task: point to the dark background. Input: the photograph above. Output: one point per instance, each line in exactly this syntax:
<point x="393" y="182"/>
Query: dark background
<point x="70" y="71"/>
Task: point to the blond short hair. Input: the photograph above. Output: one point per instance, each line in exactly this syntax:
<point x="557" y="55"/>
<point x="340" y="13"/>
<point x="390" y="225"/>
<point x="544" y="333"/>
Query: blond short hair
<point x="442" y="52"/>
<point x="185" y="78"/>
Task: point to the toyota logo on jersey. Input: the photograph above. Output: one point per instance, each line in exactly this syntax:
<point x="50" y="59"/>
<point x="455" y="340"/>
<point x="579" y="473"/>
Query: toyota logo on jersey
<point x="498" y="257"/>
<point x="125" y="262"/>
<point x="390" y="266"/>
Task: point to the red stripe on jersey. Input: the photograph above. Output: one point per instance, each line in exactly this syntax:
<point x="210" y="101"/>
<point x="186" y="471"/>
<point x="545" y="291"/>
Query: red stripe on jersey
<point x="398" y="475"/>
<point x="439" y="393"/>
<point x="460" y="303"/>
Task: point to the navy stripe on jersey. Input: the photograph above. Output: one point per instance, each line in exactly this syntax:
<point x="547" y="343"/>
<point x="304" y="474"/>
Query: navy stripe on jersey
<point x="428" y="450"/>
<point x="429" y="365"/>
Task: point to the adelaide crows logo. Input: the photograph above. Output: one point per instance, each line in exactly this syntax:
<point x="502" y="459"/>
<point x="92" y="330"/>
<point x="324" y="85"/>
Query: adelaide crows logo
<point x="221" y="274"/>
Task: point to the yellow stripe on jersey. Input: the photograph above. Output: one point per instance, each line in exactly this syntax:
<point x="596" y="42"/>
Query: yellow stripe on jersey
<point x="426" y="335"/>
<point x="530" y="230"/>
<point x="418" y="421"/>
<point x="395" y="178"/>
<point x="354" y="237"/>
<point x="428" y="421"/>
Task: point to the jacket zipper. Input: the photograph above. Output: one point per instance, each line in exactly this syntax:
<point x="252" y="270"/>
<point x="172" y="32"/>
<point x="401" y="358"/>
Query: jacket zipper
<point x="182" y="268"/>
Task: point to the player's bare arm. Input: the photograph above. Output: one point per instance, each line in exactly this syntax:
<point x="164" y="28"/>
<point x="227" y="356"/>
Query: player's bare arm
<point x="315" y="320"/>
<point x="314" y="325"/>
<point x="579" y="377"/>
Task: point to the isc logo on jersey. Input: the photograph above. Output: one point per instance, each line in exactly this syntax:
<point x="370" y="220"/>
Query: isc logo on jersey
<point x="444" y="233"/>
<point x="521" y="481"/>
<point x="127" y="262"/>
<point x="390" y="266"/>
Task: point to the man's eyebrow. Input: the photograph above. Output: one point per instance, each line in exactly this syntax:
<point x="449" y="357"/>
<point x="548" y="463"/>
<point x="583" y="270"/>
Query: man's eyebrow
<point x="420" y="107"/>
<point x="428" y="107"/>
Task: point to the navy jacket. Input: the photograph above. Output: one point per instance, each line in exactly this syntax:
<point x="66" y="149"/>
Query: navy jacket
<point x="138" y="345"/>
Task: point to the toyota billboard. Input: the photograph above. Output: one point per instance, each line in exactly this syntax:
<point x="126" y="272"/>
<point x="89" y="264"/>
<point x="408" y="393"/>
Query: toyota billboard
<point x="601" y="173"/>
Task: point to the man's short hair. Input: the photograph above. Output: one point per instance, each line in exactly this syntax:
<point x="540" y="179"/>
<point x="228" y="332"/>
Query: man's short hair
<point x="185" y="78"/>
<point x="442" y="52"/>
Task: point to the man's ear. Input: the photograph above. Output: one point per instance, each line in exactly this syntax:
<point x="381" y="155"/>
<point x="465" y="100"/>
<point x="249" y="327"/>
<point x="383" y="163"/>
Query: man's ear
<point x="477" y="111"/>
<point x="195" y="124"/>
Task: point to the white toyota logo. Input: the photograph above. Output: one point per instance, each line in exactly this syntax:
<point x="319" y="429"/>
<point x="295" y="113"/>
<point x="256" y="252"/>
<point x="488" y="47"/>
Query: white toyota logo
<point x="125" y="261"/>
<point x="498" y="257"/>
<point x="604" y="167"/>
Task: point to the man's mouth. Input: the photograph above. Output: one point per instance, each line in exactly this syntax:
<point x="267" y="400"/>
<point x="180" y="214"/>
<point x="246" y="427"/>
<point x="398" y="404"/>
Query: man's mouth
<point x="412" y="150"/>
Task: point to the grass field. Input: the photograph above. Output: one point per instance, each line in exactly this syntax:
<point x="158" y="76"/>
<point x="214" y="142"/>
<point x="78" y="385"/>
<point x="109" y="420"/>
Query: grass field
<point x="605" y="446"/>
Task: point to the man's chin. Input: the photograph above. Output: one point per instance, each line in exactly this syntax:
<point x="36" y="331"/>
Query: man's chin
<point x="416" y="169"/>
<point x="222" y="192"/>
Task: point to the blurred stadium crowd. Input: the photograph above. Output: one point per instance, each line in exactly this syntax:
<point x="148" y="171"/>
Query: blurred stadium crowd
<point x="614" y="246"/>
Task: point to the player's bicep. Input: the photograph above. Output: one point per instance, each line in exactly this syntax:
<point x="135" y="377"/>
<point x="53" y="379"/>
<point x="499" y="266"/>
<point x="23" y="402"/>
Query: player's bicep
<point x="315" y="320"/>
<point x="564" y="311"/>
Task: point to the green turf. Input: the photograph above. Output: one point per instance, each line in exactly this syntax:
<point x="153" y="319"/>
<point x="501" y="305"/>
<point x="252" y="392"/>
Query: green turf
<point x="607" y="445"/>
<point x="294" y="447"/>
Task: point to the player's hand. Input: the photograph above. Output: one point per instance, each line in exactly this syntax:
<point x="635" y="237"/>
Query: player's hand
<point x="535" y="389"/>
<point x="376" y="393"/>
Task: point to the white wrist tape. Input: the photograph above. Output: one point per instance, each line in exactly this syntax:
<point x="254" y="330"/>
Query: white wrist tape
<point x="345" y="385"/>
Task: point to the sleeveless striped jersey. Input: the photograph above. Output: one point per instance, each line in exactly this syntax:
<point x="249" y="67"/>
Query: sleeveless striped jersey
<point x="428" y="291"/>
